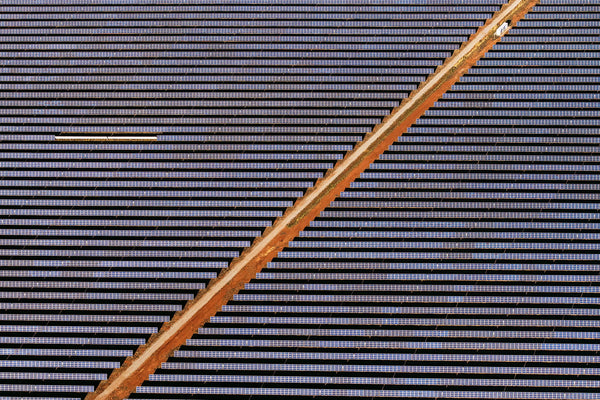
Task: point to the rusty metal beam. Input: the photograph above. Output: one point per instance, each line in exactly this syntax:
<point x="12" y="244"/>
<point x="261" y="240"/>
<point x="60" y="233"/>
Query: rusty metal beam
<point x="184" y="324"/>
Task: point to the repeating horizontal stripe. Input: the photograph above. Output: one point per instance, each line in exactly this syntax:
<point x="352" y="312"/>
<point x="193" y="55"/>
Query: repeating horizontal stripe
<point x="462" y="264"/>
<point x="241" y="106"/>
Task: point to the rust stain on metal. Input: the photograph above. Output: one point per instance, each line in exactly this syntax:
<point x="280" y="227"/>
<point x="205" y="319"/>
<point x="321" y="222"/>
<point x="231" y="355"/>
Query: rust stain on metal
<point x="185" y="323"/>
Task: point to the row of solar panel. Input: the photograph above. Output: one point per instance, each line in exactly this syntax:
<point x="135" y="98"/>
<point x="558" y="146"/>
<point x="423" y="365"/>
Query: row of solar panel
<point x="193" y="49"/>
<point x="291" y="7"/>
<point x="94" y="312"/>
<point x="231" y="15"/>
<point x="157" y="41"/>
<point x="334" y="116"/>
<point x="265" y="204"/>
<point x="440" y="369"/>
<point x="484" y="135"/>
<point x="422" y="310"/>
<point x="293" y="21"/>
<point x="145" y="233"/>
<point x="356" y="393"/>
<point x="287" y="3"/>
<point x="464" y="235"/>
<point x="50" y="184"/>
<point x="299" y="32"/>
<point x="168" y="105"/>
<point x="101" y="294"/>
<point x="298" y="151"/>
<point x="440" y="265"/>
<point x="489" y="177"/>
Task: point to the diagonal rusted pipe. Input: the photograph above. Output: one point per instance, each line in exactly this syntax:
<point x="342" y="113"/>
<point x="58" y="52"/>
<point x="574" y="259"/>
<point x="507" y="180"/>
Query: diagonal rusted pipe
<point x="136" y="369"/>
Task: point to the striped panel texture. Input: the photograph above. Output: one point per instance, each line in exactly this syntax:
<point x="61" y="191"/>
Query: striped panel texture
<point x="463" y="264"/>
<point x="144" y="144"/>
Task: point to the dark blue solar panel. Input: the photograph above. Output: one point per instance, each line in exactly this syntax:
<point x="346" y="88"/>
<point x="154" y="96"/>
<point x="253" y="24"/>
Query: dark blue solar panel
<point x="243" y="106"/>
<point x="463" y="264"/>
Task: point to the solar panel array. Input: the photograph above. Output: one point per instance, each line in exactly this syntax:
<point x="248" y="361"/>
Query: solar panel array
<point x="230" y="111"/>
<point x="463" y="264"/>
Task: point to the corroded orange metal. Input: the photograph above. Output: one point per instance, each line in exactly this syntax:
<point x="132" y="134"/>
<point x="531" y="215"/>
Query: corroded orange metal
<point x="184" y="324"/>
